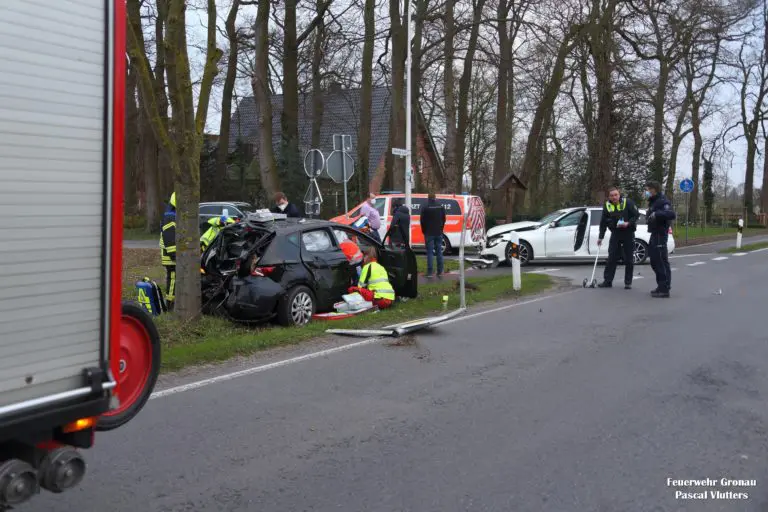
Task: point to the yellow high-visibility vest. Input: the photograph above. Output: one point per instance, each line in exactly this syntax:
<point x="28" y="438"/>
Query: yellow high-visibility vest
<point x="619" y="207"/>
<point x="375" y="278"/>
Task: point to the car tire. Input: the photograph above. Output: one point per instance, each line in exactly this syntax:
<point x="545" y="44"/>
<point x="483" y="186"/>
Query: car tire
<point x="525" y="253"/>
<point x="296" y="307"/>
<point x="639" y="252"/>
<point x="139" y="366"/>
<point x="446" y="246"/>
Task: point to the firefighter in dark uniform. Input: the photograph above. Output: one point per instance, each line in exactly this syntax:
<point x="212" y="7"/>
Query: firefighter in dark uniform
<point x="620" y="217"/>
<point x="659" y="216"/>
<point x="168" y="250"/>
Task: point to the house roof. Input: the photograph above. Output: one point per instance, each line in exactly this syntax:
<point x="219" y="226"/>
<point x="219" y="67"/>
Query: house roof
<point x="341" y="115"/>
<point x="510" y="176"/>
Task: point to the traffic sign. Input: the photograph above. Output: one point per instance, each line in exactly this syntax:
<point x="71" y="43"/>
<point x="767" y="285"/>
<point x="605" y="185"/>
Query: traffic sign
<point x="314" y="163"/>
<point x="399" y="152"/>
<point x="686" y="185"/>
<point x="340" y="165"/>
<point x="342" y="143"/>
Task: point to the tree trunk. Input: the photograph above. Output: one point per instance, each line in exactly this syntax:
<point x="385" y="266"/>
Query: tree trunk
<point x="131" y="170"/>
<point x="749" y="176"/>
<point x="543" y="112"/>
<point x="395" y="177"/>
<point x="695" y="157"/>
<point x="366" y="95"/>
<point x="317" y="84"/>
<point x="263" y="97"/>
<point x="464" y="86"/>
<point x="764" y="190"/>
<point x="453" y="173"/>
<point x="501" y="159"/>
<point x="602" y="51"/>
<point x="290" y="161"/>
<point x="226" y="101"/>
<point x="415" y="85"/>
<point x="657" y="165"/>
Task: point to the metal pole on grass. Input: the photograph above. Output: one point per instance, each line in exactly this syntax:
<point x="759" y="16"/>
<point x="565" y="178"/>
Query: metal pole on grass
<point x="516" y="278"/>
<point x="738" y="233"/>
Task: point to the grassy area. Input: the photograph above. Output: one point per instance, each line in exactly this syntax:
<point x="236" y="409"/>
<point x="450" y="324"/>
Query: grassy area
<point x="215" y="339"/>
<point x="695" y="232"/>
<point x="745" y="248"/>
<point x="448" y="265"/>
<point x="140" y="263"/>
<point x="139" y="234"/>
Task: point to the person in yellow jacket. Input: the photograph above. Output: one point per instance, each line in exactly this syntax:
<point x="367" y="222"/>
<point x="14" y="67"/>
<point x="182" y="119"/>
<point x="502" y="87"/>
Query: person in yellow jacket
<point x="168" y="250"/>
<point x="374" y="283"/>
<point x="217" y="224"/>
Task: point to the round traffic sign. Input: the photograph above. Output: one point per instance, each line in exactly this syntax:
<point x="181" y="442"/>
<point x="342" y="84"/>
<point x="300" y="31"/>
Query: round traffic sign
<point x="314" y="163"/>
<point x="686" y="185"/>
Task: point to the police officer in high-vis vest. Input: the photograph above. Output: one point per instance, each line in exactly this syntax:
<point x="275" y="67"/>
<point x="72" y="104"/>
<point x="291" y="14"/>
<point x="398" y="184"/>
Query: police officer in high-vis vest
<point x="620" y="217"/>
<point x="168" y="250"/>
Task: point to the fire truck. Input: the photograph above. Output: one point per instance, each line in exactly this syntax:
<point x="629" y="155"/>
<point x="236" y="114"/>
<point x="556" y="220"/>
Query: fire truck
<point x="74" y="359"/>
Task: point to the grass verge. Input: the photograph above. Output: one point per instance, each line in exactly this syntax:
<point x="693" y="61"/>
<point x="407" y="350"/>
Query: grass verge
<point x="139" y="234"/>
<point x="215" y="339"/>
<point x="448" y="265"/>
<point x="697" y="232"/>
<point x="744" y="248"/>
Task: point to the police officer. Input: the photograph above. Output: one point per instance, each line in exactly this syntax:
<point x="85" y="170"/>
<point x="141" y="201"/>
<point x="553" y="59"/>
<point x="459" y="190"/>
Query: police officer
<point x="659" y="216"/>
<point x="620" y="217"/>
<point x="168" y="250"/>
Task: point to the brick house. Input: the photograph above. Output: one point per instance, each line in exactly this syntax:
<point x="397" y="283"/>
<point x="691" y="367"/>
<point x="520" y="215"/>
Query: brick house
<point x="341" y="115"/>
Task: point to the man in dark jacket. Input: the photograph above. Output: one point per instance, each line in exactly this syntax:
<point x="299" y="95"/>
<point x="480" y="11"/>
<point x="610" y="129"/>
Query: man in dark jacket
<point x="620" y="217"/>
<point x="659" y="217"/>
<point x="432" y="224"/>
<point x="283" y="206"/>
<point x="401" y="223"/>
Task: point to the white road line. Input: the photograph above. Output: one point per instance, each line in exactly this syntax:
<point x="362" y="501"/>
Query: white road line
<point x="673" y="269"/>
<point x="544" y="271"/>
<point x="720" y="258"/>
<point x="760" y="250"/>
<point x="637" y="277"/>
<point x="696" y="263"/>
<point x="685" y="256"/>
<point x="322" y="353"/>
<point x="740" y="253"/>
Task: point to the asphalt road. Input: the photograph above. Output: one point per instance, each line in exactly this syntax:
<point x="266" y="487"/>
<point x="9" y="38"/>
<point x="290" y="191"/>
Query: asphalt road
<point x="581" y="400"/>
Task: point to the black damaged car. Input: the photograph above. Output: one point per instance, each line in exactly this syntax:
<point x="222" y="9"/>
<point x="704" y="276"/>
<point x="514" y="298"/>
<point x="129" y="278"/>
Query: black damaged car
<point x="289" y="269"/>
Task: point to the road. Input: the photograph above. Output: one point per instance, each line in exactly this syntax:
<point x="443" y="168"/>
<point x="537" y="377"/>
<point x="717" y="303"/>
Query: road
<point x="578" y="400"/>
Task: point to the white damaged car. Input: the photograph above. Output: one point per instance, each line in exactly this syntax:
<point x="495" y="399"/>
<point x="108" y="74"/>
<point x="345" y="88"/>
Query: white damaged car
<point x="567" y="234"/>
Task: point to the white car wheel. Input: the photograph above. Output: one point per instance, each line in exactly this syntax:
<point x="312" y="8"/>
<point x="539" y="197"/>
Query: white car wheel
<point x="639" y="252"/>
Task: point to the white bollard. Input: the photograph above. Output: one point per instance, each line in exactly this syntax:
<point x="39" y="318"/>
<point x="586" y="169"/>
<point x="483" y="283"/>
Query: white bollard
<point x="514" y="238"/>
<point x="738" y="233"/>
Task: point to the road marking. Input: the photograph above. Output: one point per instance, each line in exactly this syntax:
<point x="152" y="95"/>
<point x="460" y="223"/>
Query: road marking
<point x="685" y="256"/>
<point x="720" y="258"/>
<point x="673" y="269"/>
<point x="544" y="271"/>
<point x="760" y="250"/>
<point x="696" y="263"/>
<point x="740" y="253"/>
<point x="322" y="353"/>
<point x="637" y="277"/>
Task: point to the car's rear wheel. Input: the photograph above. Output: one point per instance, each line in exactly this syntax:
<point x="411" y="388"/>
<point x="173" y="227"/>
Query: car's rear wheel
<point x="639" y="252"/>
<point x="296" y="307"/>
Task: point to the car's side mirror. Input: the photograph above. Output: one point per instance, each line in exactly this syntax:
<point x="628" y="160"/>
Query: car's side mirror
<point x="552" y="225"/>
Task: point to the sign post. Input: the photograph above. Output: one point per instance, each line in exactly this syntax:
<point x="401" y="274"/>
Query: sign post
<point x="314" y="163"/>
<point x="341" y="165"/>
<point x="686" y="187"/>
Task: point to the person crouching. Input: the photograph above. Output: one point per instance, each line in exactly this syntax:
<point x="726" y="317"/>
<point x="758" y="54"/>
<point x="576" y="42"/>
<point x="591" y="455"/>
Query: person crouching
<point x="374" y="282"/>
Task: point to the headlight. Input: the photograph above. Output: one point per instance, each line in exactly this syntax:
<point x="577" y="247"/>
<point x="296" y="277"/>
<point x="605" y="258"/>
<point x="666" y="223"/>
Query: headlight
<point x="492" y="242"/>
